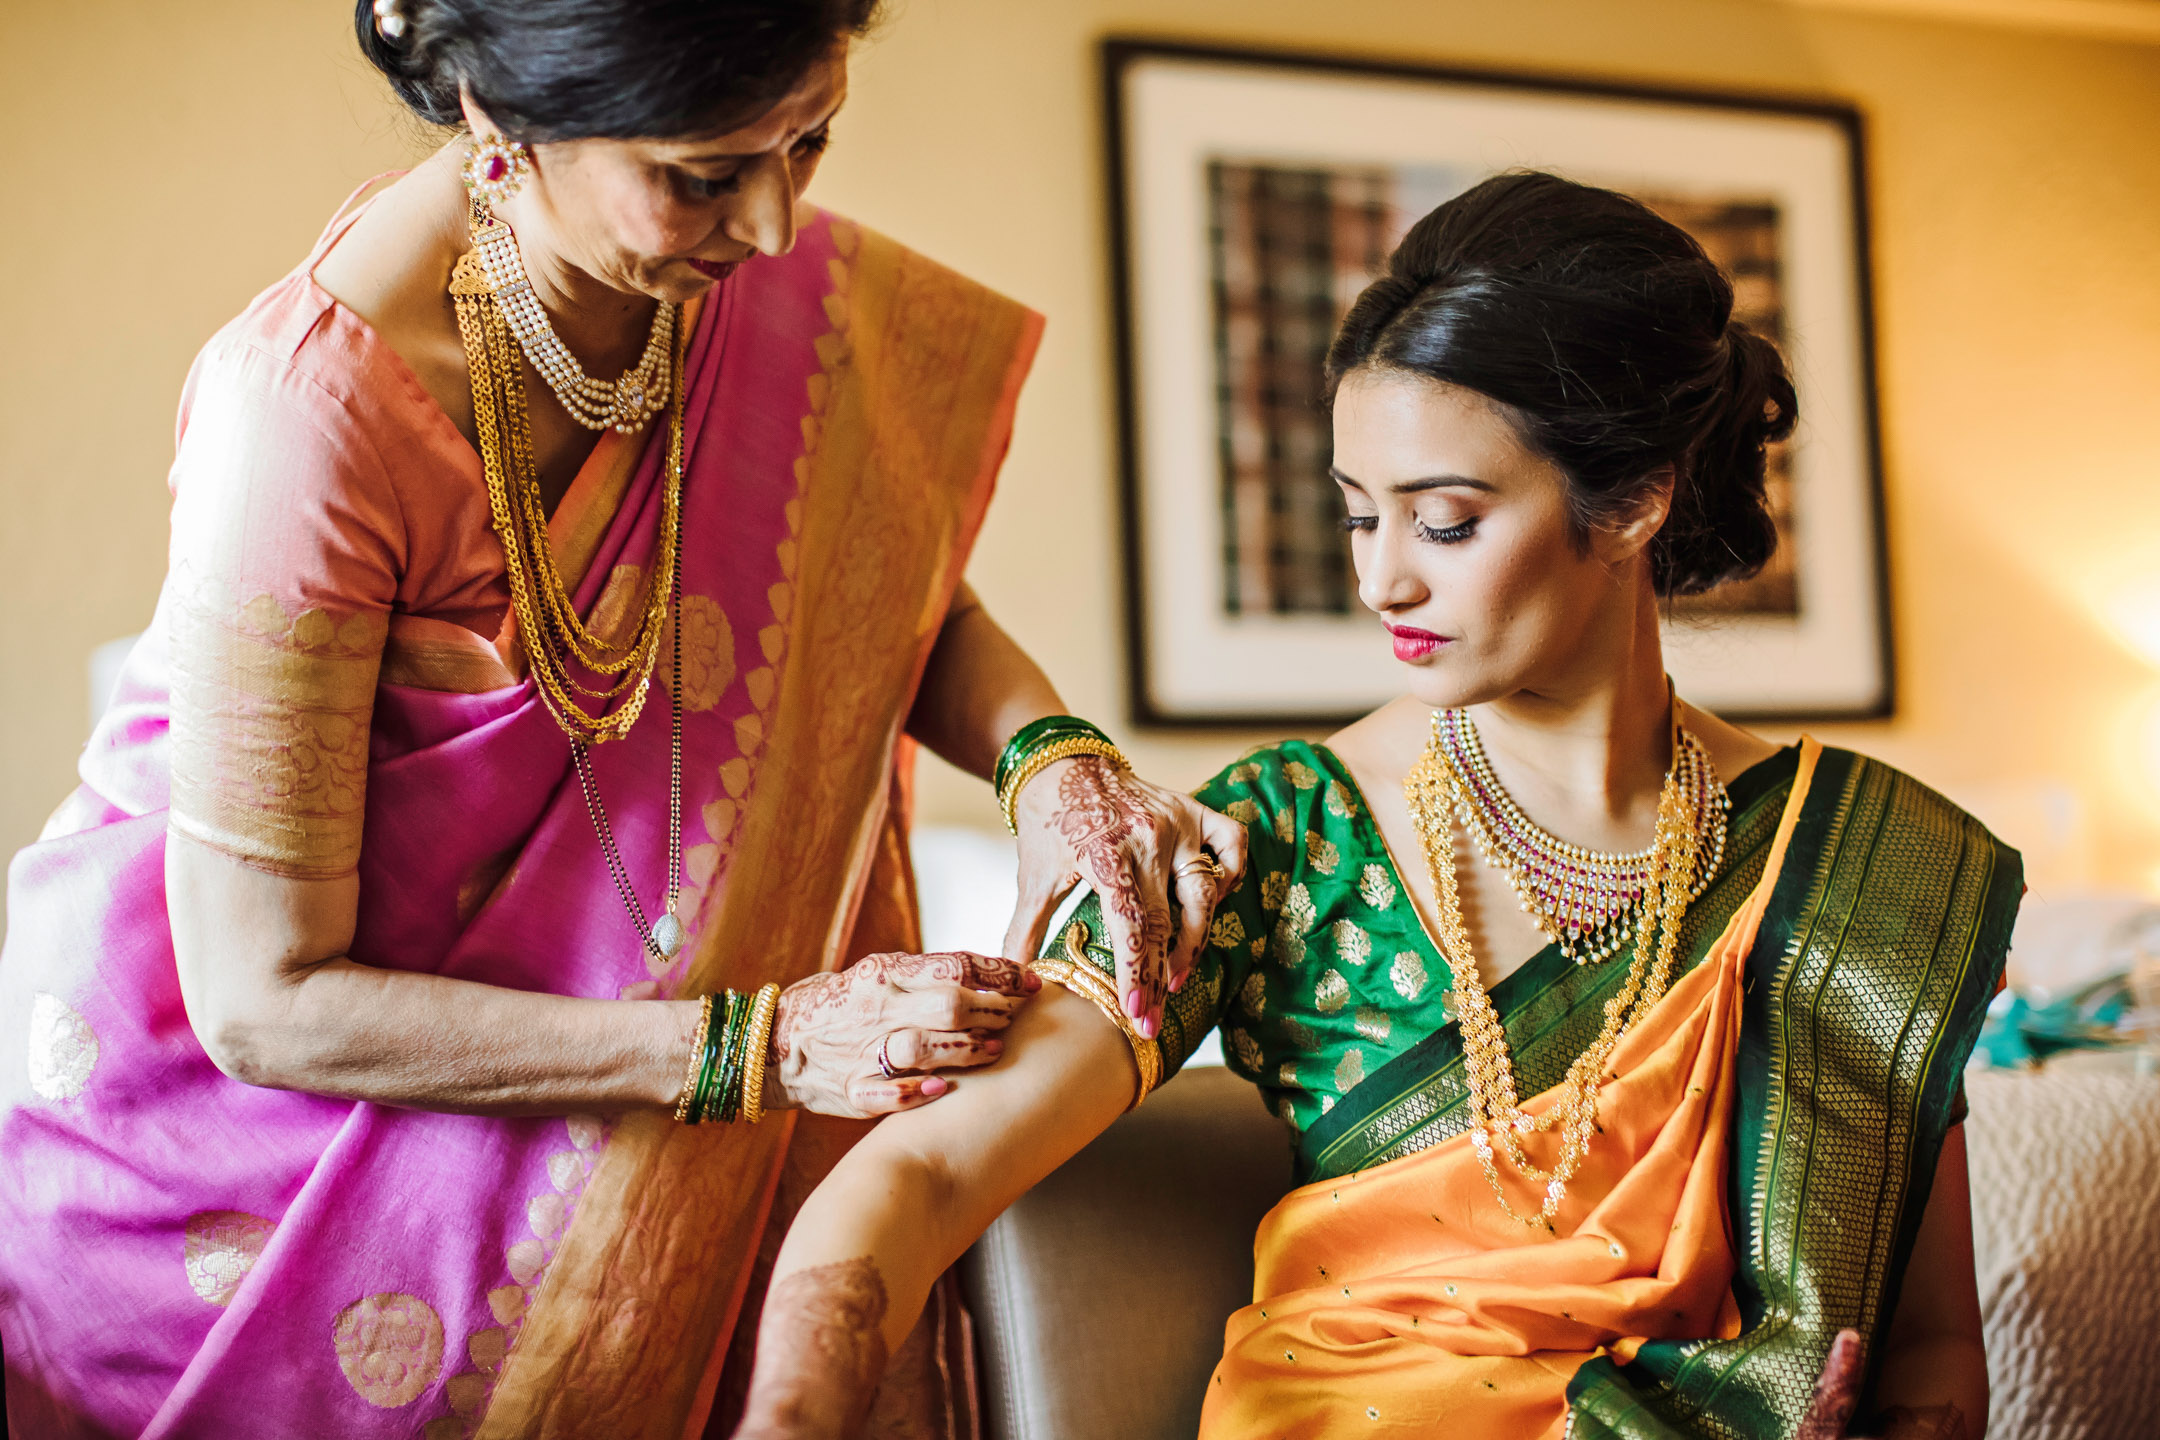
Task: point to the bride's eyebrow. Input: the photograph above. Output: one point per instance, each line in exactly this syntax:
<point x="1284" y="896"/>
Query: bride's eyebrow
<point x="1429" y="482"/>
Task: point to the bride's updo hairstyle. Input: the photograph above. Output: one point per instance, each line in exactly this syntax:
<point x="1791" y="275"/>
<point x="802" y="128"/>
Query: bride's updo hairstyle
<point x="1606" y="335"/>
<point x="616" y="69"/>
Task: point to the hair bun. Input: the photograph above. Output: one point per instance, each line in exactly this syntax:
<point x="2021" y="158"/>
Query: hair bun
<point x="1721" y="528"/>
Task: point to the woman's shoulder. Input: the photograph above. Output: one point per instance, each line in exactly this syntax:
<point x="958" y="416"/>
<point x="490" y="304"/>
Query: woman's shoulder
<point x="1895" y="797"/>
<point x="298" y="358"/>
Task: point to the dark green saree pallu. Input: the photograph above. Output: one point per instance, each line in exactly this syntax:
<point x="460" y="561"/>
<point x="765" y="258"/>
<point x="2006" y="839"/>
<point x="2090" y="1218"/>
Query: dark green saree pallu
<point x="1882" y="940"/>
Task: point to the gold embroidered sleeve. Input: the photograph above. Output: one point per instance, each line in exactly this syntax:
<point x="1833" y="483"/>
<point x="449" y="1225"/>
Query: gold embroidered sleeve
<point x="270" y="717"/>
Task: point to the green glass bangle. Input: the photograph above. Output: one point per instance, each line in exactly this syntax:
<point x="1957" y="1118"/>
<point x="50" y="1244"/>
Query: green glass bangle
<point x="1034" y="736"/>
<point x="727" y="1095"/>
<point x="715" y="1050"/>
<point x="706" y="1057"/>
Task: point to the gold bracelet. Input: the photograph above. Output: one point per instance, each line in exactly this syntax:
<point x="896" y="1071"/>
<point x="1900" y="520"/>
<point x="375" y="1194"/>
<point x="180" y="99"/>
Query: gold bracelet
<point x="1042" y="759"/>
<point x="697" y="1051"/>
<point x="756" y="1043"/>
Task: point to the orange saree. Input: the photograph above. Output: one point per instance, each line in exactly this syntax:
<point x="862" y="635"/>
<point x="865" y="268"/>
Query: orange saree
<point x="1401" y="1299"/>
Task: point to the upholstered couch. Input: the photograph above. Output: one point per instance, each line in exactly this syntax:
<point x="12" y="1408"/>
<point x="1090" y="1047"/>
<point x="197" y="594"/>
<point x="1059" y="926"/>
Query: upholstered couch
<point x="1099" y="1298"/>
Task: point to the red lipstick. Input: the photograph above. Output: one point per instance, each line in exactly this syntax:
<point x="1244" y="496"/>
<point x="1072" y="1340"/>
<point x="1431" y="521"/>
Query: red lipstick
<point x="1413" y="644"/>
<point x="715" y="269"/>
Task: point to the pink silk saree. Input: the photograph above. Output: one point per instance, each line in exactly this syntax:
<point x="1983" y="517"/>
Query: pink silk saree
<point x="184" y="1255"/>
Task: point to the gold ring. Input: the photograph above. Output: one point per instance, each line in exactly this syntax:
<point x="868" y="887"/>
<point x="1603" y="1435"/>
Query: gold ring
<point x="1202" y="864"/>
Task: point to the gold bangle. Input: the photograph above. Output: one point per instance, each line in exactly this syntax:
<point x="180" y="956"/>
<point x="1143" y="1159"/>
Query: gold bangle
<point x="697" y="1051"/>
<point x="1042" y="759"/>
<point x="756" y="1043"/>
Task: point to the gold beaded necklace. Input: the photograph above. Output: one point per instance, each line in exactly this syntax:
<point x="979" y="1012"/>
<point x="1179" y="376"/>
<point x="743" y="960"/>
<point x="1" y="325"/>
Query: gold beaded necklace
<point x="553" y="633"/>
<point x="1436" y="791"/>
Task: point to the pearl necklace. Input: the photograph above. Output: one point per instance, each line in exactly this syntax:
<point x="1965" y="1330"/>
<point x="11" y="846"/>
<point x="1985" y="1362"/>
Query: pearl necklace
<point x="1586" y="901"/>
<point x="1436" y="790"/>
<point x="624" y="404"/>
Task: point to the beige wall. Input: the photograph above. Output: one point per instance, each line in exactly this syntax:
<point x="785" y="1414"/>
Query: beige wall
<point x="163" y="162"/>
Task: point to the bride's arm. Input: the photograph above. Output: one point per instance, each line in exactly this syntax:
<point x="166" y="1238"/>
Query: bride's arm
<point x="863" y="1253"/>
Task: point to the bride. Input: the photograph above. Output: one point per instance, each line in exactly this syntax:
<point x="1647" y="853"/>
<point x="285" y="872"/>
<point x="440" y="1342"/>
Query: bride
<point x="1737" y="982"/>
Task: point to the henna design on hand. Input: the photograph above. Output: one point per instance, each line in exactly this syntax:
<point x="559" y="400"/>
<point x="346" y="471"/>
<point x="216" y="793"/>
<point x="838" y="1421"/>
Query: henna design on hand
<point x="1100" y="809"/>
<point x="828" y="1029"/>
<point x="820" y="1354"/>
<point x="1837" y="1391"/>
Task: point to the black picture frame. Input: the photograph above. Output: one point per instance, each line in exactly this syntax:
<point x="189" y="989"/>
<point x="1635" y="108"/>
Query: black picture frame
<point x="1120" y="55"/>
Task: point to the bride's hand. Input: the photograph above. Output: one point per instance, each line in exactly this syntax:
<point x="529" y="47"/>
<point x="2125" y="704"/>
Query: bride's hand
<point x="1144" y="851"/>
<point x="1837" y="1392"/>
<point x="863" y="1041"/>
<point x="1837" y="1396"/>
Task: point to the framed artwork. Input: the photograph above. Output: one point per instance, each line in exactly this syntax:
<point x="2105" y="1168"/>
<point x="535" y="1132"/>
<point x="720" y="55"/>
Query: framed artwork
<point x="1253" y="195"/>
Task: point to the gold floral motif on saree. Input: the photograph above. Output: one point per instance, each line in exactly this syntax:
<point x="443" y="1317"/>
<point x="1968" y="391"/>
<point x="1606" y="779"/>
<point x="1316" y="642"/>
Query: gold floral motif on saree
<point x="389" y="1347"/>
<point x="708" y="640"/>
<point x="63" y="1049"/>
<point x="219" y="1248"/>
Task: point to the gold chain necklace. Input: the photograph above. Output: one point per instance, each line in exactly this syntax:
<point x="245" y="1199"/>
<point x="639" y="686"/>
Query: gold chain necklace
<point x="554" y="636"/>
<point x="1436" y="791"/>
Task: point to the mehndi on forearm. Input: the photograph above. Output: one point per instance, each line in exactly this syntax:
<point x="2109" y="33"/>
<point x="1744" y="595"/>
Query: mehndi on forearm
<point x="1932" y="1422"/>
<point x="820" y="1354"/>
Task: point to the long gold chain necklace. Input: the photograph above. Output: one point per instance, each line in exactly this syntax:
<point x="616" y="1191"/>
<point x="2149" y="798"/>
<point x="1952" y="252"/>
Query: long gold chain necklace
<point x="1436" y="792"/>
<point x="1586" y="901"/>
<point x="553" y="633"/>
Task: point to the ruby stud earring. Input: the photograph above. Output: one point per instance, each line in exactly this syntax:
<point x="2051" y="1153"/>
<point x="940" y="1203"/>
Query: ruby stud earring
<point x="495" y="169"/>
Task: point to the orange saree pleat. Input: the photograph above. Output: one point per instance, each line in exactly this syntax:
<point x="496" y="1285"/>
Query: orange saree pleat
<point x="1401" y="1299"/>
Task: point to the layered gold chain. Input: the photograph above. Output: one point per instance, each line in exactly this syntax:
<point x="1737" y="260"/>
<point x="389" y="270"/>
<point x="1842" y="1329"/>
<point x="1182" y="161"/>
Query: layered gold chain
<point x="554" y="635"/>
<point x="1436" y="791"/>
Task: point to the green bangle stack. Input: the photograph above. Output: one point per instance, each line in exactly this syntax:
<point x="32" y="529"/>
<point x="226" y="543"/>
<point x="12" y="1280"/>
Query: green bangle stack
<point x="1041" y="743"/>
<point x="718" y="1092"/>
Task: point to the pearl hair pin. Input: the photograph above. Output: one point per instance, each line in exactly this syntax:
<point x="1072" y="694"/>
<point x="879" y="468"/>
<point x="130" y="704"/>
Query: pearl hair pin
<point x="389" y="20"/>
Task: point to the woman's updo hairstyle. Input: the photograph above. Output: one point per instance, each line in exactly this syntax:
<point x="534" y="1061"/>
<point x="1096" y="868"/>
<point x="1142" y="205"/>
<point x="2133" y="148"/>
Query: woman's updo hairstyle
<point x="615" y="69"/>
<point x="1608" y="336"/>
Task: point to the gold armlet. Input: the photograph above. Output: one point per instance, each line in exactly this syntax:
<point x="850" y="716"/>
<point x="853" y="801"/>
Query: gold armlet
<point x="1072" y="970"/>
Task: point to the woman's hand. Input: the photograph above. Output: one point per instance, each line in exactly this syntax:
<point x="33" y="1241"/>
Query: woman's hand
<point x="857" y="1042"/>
<point x="1144" y="850"/>
<point x="1837" y="1396"/>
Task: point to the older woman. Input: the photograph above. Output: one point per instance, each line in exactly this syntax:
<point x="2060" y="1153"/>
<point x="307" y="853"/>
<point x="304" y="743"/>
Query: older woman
<point x="1618" y="1048"/>
<point x="354" y="999"/>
